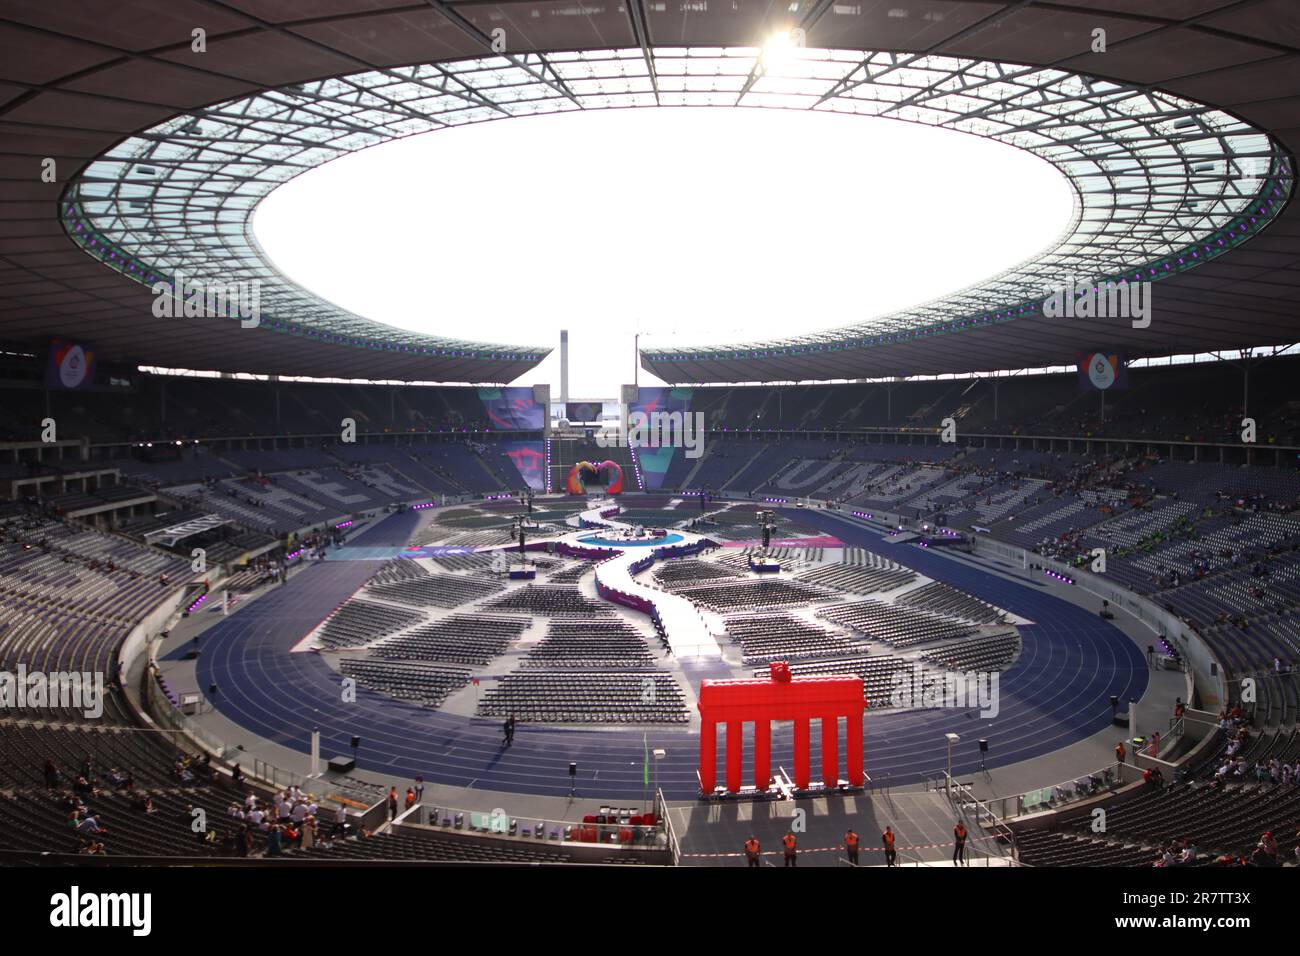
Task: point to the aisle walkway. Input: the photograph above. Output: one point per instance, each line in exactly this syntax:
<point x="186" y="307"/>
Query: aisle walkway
<point x="688" y="636"/>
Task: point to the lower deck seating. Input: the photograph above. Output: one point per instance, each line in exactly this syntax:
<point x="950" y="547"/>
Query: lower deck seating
<point x="990" y="653"/>
<point x="898" y="626"/>
<point x="428" y="684"/>
<point x="547" y="600"/>
<point x="1217" y="819"/>
<point x="360" y="622"/>
<point x="857" y="579"/>
<point x="753" y="594"/>
<point x="773" y="637"/>
<point x="940" y="598"/>
<point x="459" y="639"/>
<point x="436" y="590"/>
<point x="600" y="698"/>
<point x="608" y="643"/>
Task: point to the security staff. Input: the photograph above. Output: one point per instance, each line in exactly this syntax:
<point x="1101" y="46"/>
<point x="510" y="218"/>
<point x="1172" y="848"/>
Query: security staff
<point x="890" y="853"/>
<point x="959" y="844"/>
<point x="791" y="849"/>
<point x="751" y="850"/>
<point x="851" y="846"/>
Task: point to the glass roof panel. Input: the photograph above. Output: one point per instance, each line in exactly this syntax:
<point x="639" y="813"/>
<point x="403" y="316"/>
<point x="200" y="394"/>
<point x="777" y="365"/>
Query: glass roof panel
<point x="1152" y="172"/>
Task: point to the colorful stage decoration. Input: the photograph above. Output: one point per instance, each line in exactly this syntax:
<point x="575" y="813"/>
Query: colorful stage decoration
<point x="607" y="475"/>
<point x="781" y="696"/>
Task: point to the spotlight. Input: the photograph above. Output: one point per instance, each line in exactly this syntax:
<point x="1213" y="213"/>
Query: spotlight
<point x="780" y="49"/>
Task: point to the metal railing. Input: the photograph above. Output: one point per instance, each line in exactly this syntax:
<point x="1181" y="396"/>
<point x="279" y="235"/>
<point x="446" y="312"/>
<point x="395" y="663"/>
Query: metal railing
<point x="498" y="823"/>
<point x="170" y="717"/>
<point x="1079" y="788"/>
<point x="965" y="798"/>
<point x="674" y="844"/>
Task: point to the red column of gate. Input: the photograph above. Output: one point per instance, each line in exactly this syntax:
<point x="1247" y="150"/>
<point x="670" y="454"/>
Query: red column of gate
<point x="780" y="697"/>
<point x="734" y="753"/>
<point x="802" y="753"/>
<point x="762" y="753"/>
<point x="831" y="751"/>
<point x="708" y="756"/>
<point x="853" y="748"/>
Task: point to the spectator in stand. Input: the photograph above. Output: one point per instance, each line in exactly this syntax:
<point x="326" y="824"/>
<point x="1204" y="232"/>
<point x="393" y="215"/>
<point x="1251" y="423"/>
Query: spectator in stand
<point x="273" y="842"/>
<point x="1265" y="851"/>
<point x="90" y="824"/>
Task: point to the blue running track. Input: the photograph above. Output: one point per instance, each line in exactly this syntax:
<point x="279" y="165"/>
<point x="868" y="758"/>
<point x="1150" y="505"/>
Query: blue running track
<point x="1054" y="695"/>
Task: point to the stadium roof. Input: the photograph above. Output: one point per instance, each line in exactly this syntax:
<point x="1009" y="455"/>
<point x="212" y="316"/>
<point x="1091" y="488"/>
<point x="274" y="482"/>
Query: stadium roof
<point x="120" y="83"/>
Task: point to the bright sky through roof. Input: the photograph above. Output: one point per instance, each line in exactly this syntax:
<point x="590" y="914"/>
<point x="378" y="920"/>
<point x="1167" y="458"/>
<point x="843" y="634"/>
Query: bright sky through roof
<point x="692" y="226"/>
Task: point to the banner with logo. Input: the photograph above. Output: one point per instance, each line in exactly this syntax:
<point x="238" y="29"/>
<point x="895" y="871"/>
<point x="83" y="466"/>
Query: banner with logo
<point x="71" y="365"/>
<point x="1102" y="371"/>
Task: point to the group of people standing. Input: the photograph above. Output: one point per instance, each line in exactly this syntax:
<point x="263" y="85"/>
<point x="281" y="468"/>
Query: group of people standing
<point x="852" y="845"/>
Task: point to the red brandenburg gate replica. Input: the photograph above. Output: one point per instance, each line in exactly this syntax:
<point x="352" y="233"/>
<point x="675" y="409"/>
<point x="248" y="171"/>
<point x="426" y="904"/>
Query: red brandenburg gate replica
<point x="781" y="697"/>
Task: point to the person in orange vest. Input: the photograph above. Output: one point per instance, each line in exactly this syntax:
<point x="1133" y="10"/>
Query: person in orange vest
<point x="1120" y="752"/>
<point x="791" y="849"/>
<point x="959" y="844"/>
<point x="890" y="853"/>
<point x="751" y="850"/>
<point x="851" y="846"/>
<point x="410" y="798"/>
<point x="392" y="803"/>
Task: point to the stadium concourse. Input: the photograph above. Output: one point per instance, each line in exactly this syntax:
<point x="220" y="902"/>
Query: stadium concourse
<point x="283" y="584"/>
